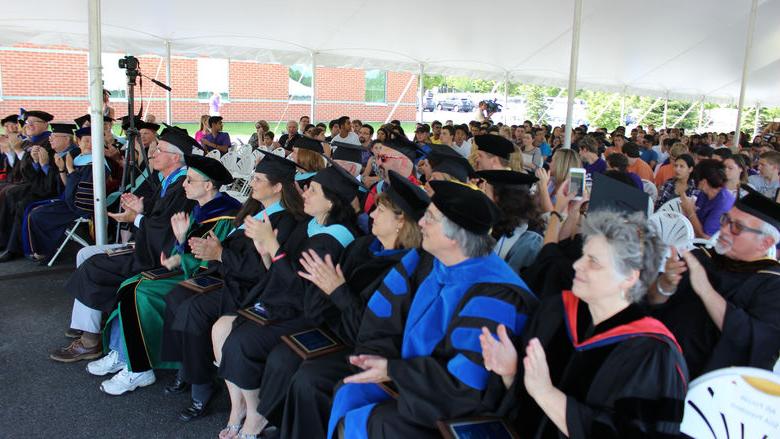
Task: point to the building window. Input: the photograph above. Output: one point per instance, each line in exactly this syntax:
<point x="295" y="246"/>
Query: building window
<point x="213" y="76"/>
<point x="299" y="82"/>
<point x="114" y="78"/>
<point x="376" y="86"/>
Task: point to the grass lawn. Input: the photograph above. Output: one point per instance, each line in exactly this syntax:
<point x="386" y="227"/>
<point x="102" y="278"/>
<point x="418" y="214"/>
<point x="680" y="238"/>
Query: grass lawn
<point x="248" y="128"/>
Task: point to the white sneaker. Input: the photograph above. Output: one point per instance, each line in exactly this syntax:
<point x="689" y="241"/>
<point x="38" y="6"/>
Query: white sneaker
<point x="126" y="381"/>
<point x="106" y="365"/>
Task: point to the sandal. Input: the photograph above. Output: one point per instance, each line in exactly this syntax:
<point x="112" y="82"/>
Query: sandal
<point x="254" y="435"/>
<point x="230" y="431"/>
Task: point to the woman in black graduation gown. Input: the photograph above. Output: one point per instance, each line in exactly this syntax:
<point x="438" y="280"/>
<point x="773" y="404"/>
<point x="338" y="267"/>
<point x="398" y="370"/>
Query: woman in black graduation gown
<point x="189" y="316"/>
<point x="349" y="286"/>
<point x="595" y="365"/>
<point x="290" y="302"/>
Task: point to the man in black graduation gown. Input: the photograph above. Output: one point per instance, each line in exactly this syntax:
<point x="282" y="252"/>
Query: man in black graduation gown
<point x="47" y="221"/>
<point x="439" y="373"/>
<point x="10" y="126"/>
<point x="39" y="177"/>
<point x="723" y="306"/>
<point x="95" y="282"/>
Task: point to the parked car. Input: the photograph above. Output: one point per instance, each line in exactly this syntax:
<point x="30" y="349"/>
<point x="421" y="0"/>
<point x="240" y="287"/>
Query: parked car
<point x="456" y="104"/>
<point x="428" y="104"/>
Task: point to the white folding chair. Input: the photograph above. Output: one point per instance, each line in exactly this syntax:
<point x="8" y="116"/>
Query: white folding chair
<point x="649" y="188"/>
<point x="733" y="402"/>
<point x="673" y="205"/>
<point x="214" y="154"/>
<point x="71" y="235"/>
<point x="673" y="228"/>
<point x="197" y="151"/>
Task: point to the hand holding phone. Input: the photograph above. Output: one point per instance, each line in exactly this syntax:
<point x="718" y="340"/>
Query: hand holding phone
<point x="577" y="182"/>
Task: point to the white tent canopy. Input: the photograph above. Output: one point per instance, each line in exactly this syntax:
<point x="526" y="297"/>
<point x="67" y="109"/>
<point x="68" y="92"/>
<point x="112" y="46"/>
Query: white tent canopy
<point x="685" y="49"/>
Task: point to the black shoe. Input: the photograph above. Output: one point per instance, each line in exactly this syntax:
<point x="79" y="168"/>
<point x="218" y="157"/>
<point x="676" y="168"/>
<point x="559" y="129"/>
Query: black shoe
<point x="270" y="432"/>
<point x="196" y="410"/>
<point x="7" y="256"/>
<point x="176" y="386"/>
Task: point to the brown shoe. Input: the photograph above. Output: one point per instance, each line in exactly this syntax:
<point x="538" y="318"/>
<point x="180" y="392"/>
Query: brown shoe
<point x="73" y="333"/>
<point x="76" y="351"/>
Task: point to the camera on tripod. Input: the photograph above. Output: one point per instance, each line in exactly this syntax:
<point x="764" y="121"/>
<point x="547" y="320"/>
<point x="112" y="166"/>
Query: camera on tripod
<point x="129" y="63"/>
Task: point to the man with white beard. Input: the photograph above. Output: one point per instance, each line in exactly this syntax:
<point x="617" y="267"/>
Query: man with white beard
<point x="723" y="306"/>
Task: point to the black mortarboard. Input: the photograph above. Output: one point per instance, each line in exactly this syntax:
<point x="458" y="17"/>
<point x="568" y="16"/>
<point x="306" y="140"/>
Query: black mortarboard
<point x="610" y="193"/>
<point x="402" y="145"/>
<point x="126" y="121"/>
<point x="63" y="128"/>
<point x="42" y="115"/>
<point x="338" y="181"/>
<point x="761" y="207"/>
<point x="509" y="178"/>
<point x="410" y="198"/>
<point x="279" y="167"/>
<point x="213" y="169"/>
<point x="445" y="159"/>
<point x="347" y="152"/>
<point x="496" y="145"/>
<point x="464" y="205"/>
<point x="81" y="120"/>
<point x="147" y="125"/>
<point x="83" y="131"/>
<point x="10" y="119"/>
<point x="304" y="142"/>
<point x="214" y="119"/>
<point x="179" y="137"/>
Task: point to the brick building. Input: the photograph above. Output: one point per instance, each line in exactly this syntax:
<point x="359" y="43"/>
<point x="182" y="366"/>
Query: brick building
<point x="55" y="79"/>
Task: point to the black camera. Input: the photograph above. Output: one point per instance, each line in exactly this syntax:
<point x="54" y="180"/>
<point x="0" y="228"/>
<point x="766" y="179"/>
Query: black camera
<point x="129" y="62"/>
<point x="493" y="106"/>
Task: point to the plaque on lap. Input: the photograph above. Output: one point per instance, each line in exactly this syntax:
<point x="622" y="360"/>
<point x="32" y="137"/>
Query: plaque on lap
<point x="123" y="250"/>
<point x="313" y="343"/>
<point x="476" y="428"/>
<point x="256" y="313"/>
<point x="202" y="284"/>
<point x="160" y="273"/>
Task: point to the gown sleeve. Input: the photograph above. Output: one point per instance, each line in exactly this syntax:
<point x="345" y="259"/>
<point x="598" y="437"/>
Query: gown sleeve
<point x="622" y="403"/>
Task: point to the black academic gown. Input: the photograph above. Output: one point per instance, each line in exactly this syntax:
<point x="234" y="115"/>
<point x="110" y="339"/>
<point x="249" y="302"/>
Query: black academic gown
<point x="190" y="316"/>
<point x="553" y="271"/>
<point x="47" y="222"/>
<point x="95" y="282"/>
<point x="605" y="396"/>
<point x="751" y="328"/>
<point x="293" y="304"/>
<point x="364" y="265"/>
<point x="310" y="392"/>
<point x="34" y="183"/>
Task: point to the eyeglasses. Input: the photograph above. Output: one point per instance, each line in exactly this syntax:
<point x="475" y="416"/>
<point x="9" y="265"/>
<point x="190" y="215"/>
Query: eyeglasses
<point x="192" y="180"/>
<point x="159" y="151"/>
<point x="383" y="158"/>
<point x="737" y="228"/>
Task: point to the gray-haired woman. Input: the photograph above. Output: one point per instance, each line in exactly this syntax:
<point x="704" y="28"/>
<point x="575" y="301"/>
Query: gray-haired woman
<point x="595" y="365"/>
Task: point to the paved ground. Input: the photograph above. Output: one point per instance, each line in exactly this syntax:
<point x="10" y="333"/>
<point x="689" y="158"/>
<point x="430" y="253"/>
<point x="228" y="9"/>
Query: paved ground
<point x="40" y="398"/>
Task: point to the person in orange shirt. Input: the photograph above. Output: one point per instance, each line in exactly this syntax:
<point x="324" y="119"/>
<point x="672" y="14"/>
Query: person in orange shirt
<point x="666" y="171"/>
<point x="635" y="164"/>
<point x="617" y="144"/>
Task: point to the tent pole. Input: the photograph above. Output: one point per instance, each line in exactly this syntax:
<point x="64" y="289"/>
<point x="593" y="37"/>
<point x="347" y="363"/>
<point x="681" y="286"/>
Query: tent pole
<point x="506" y="93"/>
<point x="575" y="51"/>
<point x="168" y="93"/>
<point x="313" y="121"/>
<point x="757" y="121"/>
<point x="701" y="115"/>
<point x="421" y="91"/>
<point x="622" y="108"/>
<point x="666" y="107"/>
<point x="96" y="113"/>
<point x="745" y="62"/>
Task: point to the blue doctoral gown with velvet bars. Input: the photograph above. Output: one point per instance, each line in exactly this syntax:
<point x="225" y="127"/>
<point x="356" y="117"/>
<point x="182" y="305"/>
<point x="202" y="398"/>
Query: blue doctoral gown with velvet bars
<point x="440" y="373"/>
<point x="46" y="221"/>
